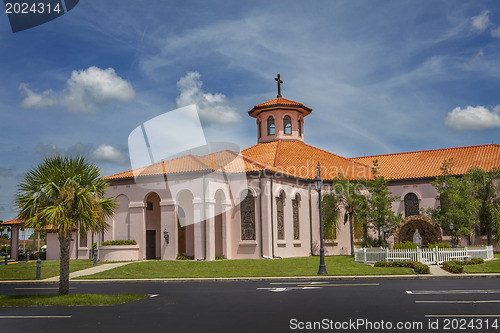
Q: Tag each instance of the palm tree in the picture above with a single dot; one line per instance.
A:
(345, 197)
(65, 194)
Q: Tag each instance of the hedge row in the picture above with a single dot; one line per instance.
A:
(458, 266)
(119, 242)
(418, 267)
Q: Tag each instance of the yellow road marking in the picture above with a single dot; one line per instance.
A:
(38, 288)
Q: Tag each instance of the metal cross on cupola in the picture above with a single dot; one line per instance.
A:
(279, 85)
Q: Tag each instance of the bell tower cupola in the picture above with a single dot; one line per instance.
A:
(280, 118)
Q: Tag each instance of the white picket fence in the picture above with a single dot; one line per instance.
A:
(434, 256)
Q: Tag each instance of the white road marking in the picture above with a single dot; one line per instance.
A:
(297, 283)
(463, 315)
(441, 292)
(154, 295)
(346, 284)
(33, 317)
(461, 302)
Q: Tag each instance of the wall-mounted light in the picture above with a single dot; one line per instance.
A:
(166, 236)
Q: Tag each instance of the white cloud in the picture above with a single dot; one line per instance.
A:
(481, 21)
(495, 32)
(212, 108)
(107, 153)
(473, 118)
(86, 90)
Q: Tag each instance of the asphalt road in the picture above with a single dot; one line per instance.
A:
(468, 305)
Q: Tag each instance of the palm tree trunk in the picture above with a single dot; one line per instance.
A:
(351, 232)
(64, 242)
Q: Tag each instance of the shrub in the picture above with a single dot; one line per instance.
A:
(439, 245)
(38, 255)
(405, 246)
(181, 256)
(420, 268)
(119, 242)
(417, 267)
(219, 257)
(381, 264)
(475, 261)
(453, 267)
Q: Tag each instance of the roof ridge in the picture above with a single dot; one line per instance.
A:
(427, 150)
(330, 153)
(277, 152)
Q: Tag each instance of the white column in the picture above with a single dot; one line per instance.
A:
(226, 229)
(210, 232)
(169, 222)
(199, 232)
(138, 226)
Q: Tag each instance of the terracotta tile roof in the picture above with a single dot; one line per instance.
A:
(299, 160)
(279, 102)
(12, 222)
(227, 161)
(427, 163)
(291, 158)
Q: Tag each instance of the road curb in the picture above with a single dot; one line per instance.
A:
(273, 279)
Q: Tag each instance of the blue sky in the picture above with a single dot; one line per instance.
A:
(380, 76)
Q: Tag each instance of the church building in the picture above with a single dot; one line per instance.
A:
(259, 202)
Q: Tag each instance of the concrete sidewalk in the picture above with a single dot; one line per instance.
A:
(90, 271)
(437, 270)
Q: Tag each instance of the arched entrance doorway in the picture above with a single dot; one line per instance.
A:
(429, 231)
(185, 227)
(153, 226)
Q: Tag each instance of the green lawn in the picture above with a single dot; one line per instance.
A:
(50, 268)
(492, 266)
(76, 299)
(307, 266)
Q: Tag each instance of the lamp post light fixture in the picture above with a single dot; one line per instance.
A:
(318, 183)
(166, 236)
(384, 229)
(452, 228)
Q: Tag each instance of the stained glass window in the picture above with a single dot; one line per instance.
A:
(279, 216)
(411, 204)
(248, 217)
(296, 225)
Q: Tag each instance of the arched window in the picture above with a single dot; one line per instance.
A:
(279, 215)
(299, 126)
(411, 204)
(260, 129)
(287, 125)
(270, 126)
(296, 223)
(247, 208)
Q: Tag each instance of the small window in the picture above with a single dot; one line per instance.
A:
(287, 125)
(411, 204)
(270, 126)
(260, 129)
(299, 126)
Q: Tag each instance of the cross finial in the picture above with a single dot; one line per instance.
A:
(279, 85)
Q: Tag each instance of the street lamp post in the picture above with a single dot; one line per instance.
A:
(384, 229)
(318, 183)
(452, 228)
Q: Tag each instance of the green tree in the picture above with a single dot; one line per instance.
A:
(487, 191)
(458, 202)
(65, 193)
(344, 196)
(378, 209)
